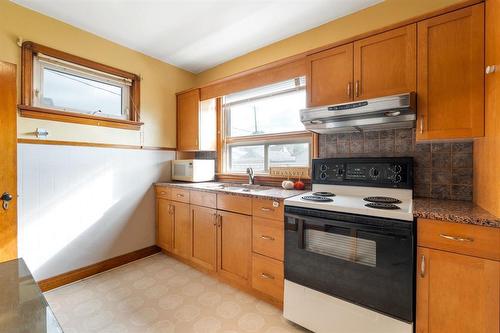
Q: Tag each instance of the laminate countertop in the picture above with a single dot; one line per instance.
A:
(257, 191)
(464, 212)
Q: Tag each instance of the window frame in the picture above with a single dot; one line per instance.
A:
(28, 108)
(225, 142)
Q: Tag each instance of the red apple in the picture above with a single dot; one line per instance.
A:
(299, 185)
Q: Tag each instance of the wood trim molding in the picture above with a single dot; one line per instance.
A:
(30, 49)
(77, 118)
(89, 144)
(102, 266)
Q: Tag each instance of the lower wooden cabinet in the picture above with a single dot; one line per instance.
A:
(234, 246)
(456, 293)
(182, 229)
(165, 224)
(204, 237)
(268, 276)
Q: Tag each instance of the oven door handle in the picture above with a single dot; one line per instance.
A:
(300, 232)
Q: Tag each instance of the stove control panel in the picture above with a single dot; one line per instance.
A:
(374, 171)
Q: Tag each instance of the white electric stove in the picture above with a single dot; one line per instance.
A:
(350, 248)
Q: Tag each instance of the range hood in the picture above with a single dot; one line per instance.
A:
(397, 111)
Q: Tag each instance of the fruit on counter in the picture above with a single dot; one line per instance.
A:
(287, 185)
(299, 185)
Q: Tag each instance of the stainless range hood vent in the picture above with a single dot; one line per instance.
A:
(397, 111)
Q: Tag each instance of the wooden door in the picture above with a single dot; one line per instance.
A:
(329, 76)
(165, 224)
(456, 293)
(450, 92)
(8, 160)
(187, 120)
(182, 229)
(234, 246)
(385, 64)
(204, 236)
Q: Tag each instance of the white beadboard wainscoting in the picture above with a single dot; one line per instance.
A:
(82, 205)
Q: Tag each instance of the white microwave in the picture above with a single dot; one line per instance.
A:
(193, 170)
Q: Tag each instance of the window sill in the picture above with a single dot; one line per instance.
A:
(77, 118)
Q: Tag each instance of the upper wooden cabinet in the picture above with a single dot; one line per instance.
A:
(380, 65)
(450, 92)
(385, 64)
(329, 76)
(196, 122)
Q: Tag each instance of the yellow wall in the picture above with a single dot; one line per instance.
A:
(160, 81)
(378, 16)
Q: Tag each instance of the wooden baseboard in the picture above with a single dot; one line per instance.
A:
(81, 273)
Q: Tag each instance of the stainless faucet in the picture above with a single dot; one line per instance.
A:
(251, 177)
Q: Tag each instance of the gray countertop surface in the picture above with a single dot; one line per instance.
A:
(23, 308)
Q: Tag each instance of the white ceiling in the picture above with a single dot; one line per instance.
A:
(195, 34)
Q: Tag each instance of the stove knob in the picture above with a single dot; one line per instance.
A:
(323, 176)
(397, 179)
(323, 167)
(374, 173)
(397, 168)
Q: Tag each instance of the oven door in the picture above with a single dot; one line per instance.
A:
(364, 260)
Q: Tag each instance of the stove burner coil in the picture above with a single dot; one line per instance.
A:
(386, 200)
(323, 194)
(380, 205)
(316, 198)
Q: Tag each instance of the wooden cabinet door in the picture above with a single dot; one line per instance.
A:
(188, 105)
(182, 229)
(329, 76)
(204, 236)
(450, 92)
(456, 293)
(165, 224)
(385, 64)
(234, 246)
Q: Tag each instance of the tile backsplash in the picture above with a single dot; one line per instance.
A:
(443, 170)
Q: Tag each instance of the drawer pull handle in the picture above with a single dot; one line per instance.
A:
(267, 237)
(457, 238)
(264, 209)
(266, 276)
(163, 193)
(180, 195)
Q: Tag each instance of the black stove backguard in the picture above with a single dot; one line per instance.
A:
(389, 172)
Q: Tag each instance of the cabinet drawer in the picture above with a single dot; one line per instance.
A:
(271, 209)
(267, 276)
(234, 203)
(163, 192)
(466, 239)
(267, 237)
(179, 194)
(205, 199)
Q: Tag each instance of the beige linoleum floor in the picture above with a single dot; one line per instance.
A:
(160, 294)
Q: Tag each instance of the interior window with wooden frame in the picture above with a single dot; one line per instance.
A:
(262, 129)
(63, 87)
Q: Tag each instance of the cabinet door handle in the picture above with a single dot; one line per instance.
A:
(422, 266)
(421, 124)
(266, 276)
(219, 224)
(356, 88)
(267, 237)
(349, 89)
(457, 238)
(265, 209)
(215, 219)
(491, 69)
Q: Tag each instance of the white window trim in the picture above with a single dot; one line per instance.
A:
(40, 62)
